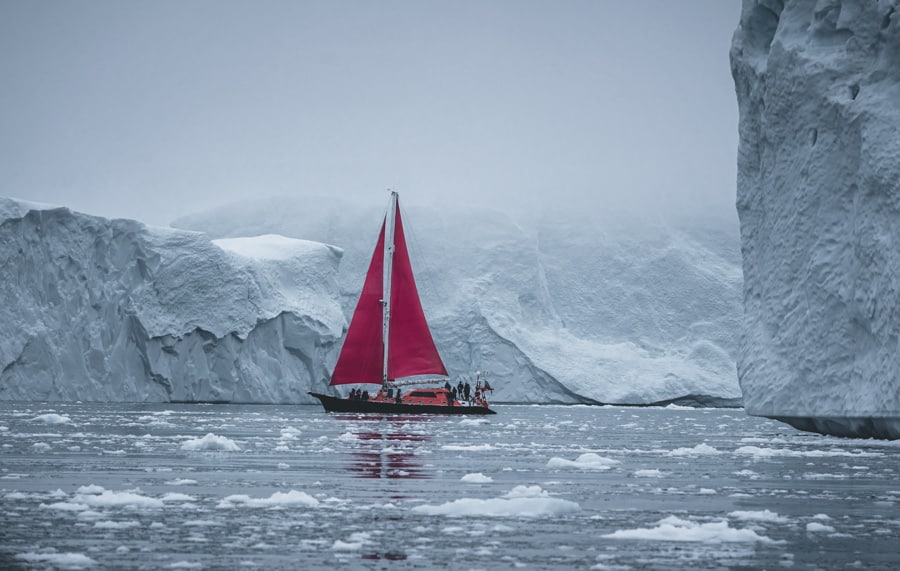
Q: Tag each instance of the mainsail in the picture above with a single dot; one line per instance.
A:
(411, 349)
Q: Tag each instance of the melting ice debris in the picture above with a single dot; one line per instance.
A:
(477, 478)
(211, 442)
(701, 449)
(59, 560)
(588, 461)
(521, 501)
(277, 499)
(52, 418)
(354, 542)
(650, 473)
(762, 515)
(674, 528)
(757, 452)
(816, 527)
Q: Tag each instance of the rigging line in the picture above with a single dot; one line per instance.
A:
(424, 279)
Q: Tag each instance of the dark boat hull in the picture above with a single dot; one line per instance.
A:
(335, 404)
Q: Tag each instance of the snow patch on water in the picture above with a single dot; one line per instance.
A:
(211, 442)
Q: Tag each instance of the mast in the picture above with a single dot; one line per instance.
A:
(387, 274)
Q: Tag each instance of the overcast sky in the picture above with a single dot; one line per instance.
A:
(152, 110)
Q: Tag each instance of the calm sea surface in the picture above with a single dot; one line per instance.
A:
(131, 486)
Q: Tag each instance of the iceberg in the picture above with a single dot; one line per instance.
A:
(818, 163)
(558, 307)
(113, 310)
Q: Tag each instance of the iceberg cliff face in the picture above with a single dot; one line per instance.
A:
(113, 310)
(819, 163)
(555, 307)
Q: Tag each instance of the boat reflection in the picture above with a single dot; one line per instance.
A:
(391, 452)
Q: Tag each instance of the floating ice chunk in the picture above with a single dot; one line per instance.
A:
(185, 565)
(107, 498)
(52, 418)
(177, 497)
(701, 449)
(65, 506)
(469, 447)
(764, 515)
(181, 482)
(348, 437)
(291, 498)
(652, 473)
(40, 446)
(676, 529)
(211, 442)
(816, 527)
(707, 492)
(823, 517)
(202, 523)
(477, 478)
(108, 524)
(521, 501)
(472, 421)
(61, 560)
(283, 466)
(758, 452)
(589, 461)
(355, 542)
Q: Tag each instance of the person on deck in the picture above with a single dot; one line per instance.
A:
(399, 400)
(365, 395)
(459, 389)
(467, 390)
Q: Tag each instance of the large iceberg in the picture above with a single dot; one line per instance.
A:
(819, 163)
(113, 310)
(566, 307)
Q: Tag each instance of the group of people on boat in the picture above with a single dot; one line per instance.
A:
(358, 394)
(463, 391)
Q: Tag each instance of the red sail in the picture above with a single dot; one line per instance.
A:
(361, 356)
(411, 350)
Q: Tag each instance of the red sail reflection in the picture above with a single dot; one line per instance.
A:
(390, 454)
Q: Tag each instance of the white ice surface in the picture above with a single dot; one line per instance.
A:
(521, 501)
(818, 165)
(211, 442)
(558, 307)
(113, 310)
(674, 528)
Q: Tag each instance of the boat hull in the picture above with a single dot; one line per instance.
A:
(335, 404)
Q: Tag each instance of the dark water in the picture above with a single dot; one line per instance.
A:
(110, 486)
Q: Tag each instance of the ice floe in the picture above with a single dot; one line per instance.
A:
(762, 515)
(701, 449)
(674, 528)
(477, 478)
(60, 560)
(521, 501)
(52, 418)
(757, 452)
(651, 473)
(588, 461)
(211, 442)
(291, 498)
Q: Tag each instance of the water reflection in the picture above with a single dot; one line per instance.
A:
(386, 447)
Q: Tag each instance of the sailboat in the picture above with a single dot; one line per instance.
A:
(389, 343)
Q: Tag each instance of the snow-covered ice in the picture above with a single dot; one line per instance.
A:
(673, 528)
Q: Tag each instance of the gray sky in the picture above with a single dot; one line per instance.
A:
(152, 110)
